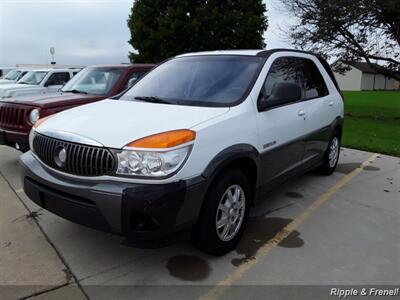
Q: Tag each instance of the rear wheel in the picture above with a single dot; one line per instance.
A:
(224, 214)
(331, 156)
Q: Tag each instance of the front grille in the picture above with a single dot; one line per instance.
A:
(11, 116)
(80, 159)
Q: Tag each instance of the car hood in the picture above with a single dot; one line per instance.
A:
(4, 88)
(17, 86)
(6, 81)
(54, 100)
(115, 123)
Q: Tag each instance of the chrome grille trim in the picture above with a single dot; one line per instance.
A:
(81, 160)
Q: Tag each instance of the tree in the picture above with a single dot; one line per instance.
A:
(164, 28)
(349, 30)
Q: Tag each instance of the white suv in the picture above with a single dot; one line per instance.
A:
(192, 145)
(40, 81)
(13, 76)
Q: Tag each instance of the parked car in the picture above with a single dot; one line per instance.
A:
(91, 84)
(13, 76)
(41, 81)
(192, 145)
(5, 70)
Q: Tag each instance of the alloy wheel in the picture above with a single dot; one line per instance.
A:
(230, 212)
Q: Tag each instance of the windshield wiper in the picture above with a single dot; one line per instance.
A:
(153, 99)
(75, 92)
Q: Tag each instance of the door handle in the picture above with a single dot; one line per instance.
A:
(301, 113)
(331, 103)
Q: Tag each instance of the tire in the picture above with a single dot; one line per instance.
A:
(331, 157)
(206, 236)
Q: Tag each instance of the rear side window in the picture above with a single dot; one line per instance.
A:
(283, 69)
(313, 83)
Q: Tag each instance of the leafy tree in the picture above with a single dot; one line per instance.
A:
(164, 28)
(350, 30)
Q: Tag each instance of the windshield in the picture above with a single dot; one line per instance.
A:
(33, 77)
(96, 81)
(22, 74)
(12, 75)
(215, 80)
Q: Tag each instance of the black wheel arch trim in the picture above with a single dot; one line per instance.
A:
(338, 122)
(229, 155)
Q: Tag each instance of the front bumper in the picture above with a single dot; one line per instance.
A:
(12, 138)
(142, 211)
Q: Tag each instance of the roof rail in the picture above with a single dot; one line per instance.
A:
(266, 53)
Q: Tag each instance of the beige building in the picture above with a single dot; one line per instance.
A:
(47, 66)
(362, 77)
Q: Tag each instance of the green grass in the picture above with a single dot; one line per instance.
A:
(372, 121)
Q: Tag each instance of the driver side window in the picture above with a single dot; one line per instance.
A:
(283, 70)
(58, 78)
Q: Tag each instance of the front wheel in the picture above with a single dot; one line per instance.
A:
(224, 214)
(331, 156)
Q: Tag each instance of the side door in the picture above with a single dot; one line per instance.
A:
(320, 109)
(281, 127)
(55, 81)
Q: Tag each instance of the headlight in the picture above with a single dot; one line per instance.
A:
(34, 116)
(158, 155)
(151, 163)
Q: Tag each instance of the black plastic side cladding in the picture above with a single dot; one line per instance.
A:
(231, 154)
(159, 205)
(338, 122)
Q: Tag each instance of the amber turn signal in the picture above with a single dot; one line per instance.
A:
(165, 140)
(40, 121)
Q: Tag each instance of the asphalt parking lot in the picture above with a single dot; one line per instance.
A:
(336, 230)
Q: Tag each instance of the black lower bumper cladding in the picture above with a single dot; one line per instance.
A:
(77, 210)
(152, 208)
(11, 139)
(146, 212)
(2, 137)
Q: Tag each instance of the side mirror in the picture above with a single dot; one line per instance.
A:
(282, 93)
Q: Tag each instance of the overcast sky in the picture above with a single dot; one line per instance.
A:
(82, 31)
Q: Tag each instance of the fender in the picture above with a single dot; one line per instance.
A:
(230, 154)
(338, 122)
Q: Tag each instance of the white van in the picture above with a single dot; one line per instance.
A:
(191, 146)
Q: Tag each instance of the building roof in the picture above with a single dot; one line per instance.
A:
(53, 69)
(123, 66)
(365, 67)
(48, 66)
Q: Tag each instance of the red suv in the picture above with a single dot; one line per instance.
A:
(18, 115)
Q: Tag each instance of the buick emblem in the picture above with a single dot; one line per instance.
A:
(60, 156)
